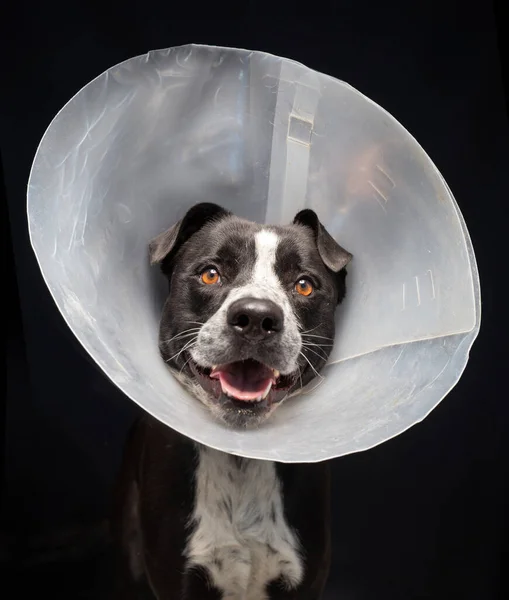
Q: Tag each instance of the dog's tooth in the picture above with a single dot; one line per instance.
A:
(276, 373)
(266, 392)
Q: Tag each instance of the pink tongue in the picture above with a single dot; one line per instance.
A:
(247, 380)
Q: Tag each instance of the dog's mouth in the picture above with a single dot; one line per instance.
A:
(245, 382)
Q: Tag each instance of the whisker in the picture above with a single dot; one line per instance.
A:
(309, 363)
(195, 322)
(310, 390)
(323, 337)
(316, 354)
(308, 330)
(313, 345)
(183, 366)
(285, 397)
(321, 356)
(187, 346)
(185, 333)
(318, 345)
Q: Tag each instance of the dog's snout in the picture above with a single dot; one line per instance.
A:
(255, 319)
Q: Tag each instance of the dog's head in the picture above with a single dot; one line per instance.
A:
(249, 319)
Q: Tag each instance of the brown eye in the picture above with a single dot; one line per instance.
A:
(304, 287)
(210, 276)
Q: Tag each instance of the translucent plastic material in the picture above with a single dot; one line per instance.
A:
(264, 137)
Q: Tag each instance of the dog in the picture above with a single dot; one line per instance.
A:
(248, 322)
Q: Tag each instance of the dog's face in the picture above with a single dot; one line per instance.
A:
(249, 319)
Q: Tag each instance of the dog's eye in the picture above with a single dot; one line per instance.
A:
(304, 287)
(210, 276)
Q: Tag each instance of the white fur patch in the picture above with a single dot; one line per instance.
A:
(240, 534)
(264, 272)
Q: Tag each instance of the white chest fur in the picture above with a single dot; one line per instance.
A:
(239, 530)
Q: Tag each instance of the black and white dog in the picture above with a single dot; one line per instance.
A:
(249, 321)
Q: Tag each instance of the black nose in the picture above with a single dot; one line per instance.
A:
(255, 319)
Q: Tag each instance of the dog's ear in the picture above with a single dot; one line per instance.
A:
(333, 255)
(163, 248)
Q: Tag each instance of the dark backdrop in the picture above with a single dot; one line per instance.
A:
(422, 516)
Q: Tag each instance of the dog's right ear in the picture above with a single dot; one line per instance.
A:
(164, 247)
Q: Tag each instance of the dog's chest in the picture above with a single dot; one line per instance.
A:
(239, 530)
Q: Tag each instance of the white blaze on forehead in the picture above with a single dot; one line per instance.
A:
(264, 272)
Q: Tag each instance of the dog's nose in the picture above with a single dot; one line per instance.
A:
(255, 319)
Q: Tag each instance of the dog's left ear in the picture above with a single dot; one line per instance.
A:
(333, 255)
(164, 247)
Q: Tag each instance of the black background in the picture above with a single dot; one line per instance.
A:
(422, 516)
